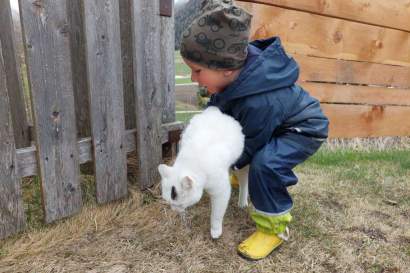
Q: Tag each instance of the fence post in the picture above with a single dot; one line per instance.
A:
(46, 33)
(148, 88)
(12, 218)
(102, 27)
(14, 83)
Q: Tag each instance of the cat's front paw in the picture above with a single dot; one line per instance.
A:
(216, 232)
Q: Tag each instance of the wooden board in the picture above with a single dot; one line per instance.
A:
(148, 88)
(367, 121)
(27, 161)
(167, 65)
(46, 33)
(315, 35)
(79, 67)
(12, 218)
(340, 71)
(356, 94)
(102, 27)
(127, 63)
(14, 83)
(392, 14)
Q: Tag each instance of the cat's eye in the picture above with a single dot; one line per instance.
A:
(173, 193)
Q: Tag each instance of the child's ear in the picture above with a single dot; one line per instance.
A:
(187, 183)
(164, 170)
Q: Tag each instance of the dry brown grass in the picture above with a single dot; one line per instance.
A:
(347, 218)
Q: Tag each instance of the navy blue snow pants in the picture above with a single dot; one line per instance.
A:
(270, 171)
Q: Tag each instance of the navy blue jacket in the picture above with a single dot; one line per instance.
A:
(266, 100)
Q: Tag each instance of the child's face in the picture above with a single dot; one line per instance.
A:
(214, 80)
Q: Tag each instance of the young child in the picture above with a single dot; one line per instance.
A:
(256, 84)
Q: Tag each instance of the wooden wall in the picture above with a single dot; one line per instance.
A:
(354, 57)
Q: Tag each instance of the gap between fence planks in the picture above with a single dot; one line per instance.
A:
(12, 217)
(391, 14)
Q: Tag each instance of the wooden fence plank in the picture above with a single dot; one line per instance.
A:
(148, 88)
(79, 67)
(127, 63)
(367, 121)
(12, 218)
(356, 94)
(168, 66)
(340, 71)
(14, 83)
(393, 14)
(46, 33)
(102, 24)
(338, 39)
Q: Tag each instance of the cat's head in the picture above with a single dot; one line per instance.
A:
(179, 189)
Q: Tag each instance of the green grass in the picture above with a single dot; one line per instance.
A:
(181, 69)
(326, 157)
(183, 80)
(184, 117)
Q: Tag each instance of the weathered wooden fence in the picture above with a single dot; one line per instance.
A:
(101, 77)
(354, 56)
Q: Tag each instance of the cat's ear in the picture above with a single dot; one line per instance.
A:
(187, 183)
(164, 170)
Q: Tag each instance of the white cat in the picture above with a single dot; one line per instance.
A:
(210, 144)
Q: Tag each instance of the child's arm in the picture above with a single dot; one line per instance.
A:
(258, 125)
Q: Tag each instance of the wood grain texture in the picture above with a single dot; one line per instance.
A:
(46, 33)
(392, 14)
(340, 71)
(357, 94)
(338, 39)
(168, 66)
(102, 25)
(14, 83)
(27, 161)
(367, 121)
(12, 218)
(148, 88)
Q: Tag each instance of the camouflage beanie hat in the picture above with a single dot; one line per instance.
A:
(218, 37)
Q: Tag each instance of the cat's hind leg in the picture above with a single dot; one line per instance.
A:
(242, 175)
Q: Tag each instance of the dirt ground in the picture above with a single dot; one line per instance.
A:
(352, 217)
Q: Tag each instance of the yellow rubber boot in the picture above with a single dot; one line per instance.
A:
(270, 233)
(259, 245)
(234, 181)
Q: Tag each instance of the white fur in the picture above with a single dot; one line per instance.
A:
(210, 144)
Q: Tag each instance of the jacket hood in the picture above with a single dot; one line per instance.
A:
(267, 68)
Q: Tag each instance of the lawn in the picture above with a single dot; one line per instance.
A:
(351, 214)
